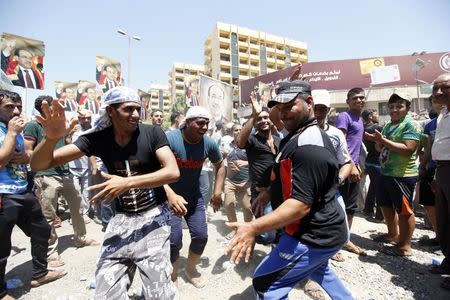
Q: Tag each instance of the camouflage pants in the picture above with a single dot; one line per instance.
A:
(136, 241)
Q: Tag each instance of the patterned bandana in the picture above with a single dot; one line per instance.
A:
(115, 95)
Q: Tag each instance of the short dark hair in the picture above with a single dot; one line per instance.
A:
(11, 95)
(4, 94)
(430, 99)
(39, 100)
(155, 110)
(354, 91)
(367, 113)
(174, 116)
(397, 99)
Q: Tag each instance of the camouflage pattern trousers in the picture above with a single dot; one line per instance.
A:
(139, 241)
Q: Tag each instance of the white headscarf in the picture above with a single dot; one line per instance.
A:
(196, 112)
(119, 94)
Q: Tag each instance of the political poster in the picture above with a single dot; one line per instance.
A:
(217, 97)
(22, 60)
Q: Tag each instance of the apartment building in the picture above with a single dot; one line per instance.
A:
(234, 53)
(159, 97)
(180, 77)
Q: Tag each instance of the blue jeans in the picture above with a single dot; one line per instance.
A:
(198, 229)
(268, 237)
(290, 262)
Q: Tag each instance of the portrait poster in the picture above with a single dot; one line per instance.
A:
(88, 97)
(146, 99)
(107, 73)
(217, 97)
(192, 91)
(67, 91)
(22, 60)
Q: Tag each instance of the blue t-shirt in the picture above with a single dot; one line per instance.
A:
(13, 177)
(430, 129)
(190, 158)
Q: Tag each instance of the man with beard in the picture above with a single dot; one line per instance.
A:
(303, 191)
(261, 147)
(19, 206)
(441, 154)
(139, 162)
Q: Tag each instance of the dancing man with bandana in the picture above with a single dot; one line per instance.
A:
(139, 162)
(191, 147)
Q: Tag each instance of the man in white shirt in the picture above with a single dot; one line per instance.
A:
(441, 154)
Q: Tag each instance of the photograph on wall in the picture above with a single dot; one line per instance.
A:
(107, 73)
(217, 97)
(88, 97)
(67, 91)
(22, 60)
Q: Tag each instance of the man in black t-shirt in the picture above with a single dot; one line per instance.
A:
(261, 147)
(372, 165)
(139, 163)
(303, 189)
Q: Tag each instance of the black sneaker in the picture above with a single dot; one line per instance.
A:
(429, 242)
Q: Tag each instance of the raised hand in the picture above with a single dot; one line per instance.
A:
(54, 120)
(256, 106)
(16, 125)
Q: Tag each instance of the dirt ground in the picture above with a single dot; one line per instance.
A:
(375, 276)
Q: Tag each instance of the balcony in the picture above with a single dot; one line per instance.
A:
(225, 63)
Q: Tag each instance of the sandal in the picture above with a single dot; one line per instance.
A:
(55, 262)
(313, 290)
(394, 251)
(49, 277)
(339, 257)
(350, 247)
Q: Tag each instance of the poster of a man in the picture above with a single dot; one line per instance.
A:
(87, 97)
(107, 73)
(217, 97)
(22, 60)
(67, 91)
(191, 84)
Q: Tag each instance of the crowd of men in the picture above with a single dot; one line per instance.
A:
(296, 174)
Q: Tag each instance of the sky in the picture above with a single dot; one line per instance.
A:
(74, 32)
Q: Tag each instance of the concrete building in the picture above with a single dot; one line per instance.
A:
(180, 77)
(234, 53)
(159, 97)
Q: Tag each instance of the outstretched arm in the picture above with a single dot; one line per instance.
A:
(55, 127)
(115, 185)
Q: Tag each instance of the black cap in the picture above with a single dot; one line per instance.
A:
(288, 90)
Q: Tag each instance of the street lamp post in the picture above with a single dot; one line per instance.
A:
(134, 37)
(419, 64)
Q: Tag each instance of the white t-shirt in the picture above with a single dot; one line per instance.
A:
(339, 143)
